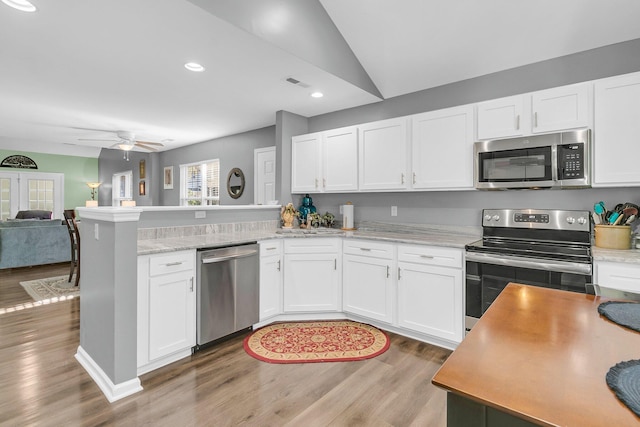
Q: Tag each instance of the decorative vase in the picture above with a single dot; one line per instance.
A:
(306, 208)
(288, 213)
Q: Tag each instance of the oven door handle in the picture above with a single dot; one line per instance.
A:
(511, 261)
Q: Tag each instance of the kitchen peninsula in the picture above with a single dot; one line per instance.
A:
(538, 357)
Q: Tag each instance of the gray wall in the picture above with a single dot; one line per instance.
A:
(464, 207)
(287, 125)
(233, 151)
(112, 161)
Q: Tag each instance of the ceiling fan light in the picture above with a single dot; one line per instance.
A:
(22, 5)
(193, 66)
(125, 146)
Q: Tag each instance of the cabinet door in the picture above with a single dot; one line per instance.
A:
(305, 163)
(340, 160)
(383, 155)
(172, 313)
(617, 128)
(442, 149)
(311, 282)
(367, 287)
(270, 286)
(625, 277)
(501, 118)
(560, 108)
(430, 300)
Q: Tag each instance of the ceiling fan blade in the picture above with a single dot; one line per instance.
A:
(150, 143)
(137, 144)
(96, 139)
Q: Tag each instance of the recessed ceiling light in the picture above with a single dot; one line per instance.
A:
(317, 94)
(22, 5)
(191, 66)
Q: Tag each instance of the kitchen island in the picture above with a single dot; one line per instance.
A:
(538, 357)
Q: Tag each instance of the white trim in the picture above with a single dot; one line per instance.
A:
(110, 390)
(110, 214)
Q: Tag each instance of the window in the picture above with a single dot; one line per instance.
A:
(200, 183)
(122, 187)
(20, 191)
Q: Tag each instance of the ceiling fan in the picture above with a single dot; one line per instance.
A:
(126, 141)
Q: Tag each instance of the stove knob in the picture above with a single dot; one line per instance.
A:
(582, 220)
(571, 220)
(487, 217)
(496, 217)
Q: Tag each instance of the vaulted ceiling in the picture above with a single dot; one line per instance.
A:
(83, 69)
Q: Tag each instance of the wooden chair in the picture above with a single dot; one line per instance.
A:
(74, 237)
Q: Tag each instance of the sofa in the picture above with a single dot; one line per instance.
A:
(27, 242)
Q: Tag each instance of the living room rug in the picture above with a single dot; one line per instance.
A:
(318, 341)
(51, 289)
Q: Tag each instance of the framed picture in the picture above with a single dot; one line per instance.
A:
(168, 177)
(143, 171)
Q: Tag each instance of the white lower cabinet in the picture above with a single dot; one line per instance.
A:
(271, 274)
(616, 275)
(166, 308)
(367, 279)
(430, 295)
(312, 275)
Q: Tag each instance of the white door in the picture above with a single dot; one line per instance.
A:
(430, 300)
(501, 118)
(560, 108)
(383, 155)
(9, 199)
(617, 126)
(367, 287)
(305, 163)
(264, 172)
(442, 149)
(340, 160)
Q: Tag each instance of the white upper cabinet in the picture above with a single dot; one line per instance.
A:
(501, 118)
(383, 155)
(566, 107)
(552, 110)
(305, 163)
(442, 149)
(325, 161)
(340, 160)
(616, 131)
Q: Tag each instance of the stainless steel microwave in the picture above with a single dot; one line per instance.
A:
(555, 160)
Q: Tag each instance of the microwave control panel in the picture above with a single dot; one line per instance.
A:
(571, 161)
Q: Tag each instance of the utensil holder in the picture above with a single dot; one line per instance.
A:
(613, 236)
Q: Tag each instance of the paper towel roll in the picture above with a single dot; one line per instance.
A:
(347, 216)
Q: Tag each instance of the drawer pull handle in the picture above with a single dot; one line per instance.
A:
(388, 271)
(173, 264)
(271, 249)
(192, 284)
(399, 276)
(279, 266)
(365, 249)
(427, 256)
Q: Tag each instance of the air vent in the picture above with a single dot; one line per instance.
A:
(296, 82)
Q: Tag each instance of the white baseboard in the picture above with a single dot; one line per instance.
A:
(110, 390)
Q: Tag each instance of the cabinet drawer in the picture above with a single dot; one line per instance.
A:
(171, 263)
(625, 277)
(367, 248)
(443, 257)
(312, 245)
(270, 247)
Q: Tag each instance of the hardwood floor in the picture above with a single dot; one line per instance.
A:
(42, 383)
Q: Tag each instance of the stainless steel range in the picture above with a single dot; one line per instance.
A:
(548, 248)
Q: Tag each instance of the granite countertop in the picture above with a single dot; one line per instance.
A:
(454, 237)
(630, 256)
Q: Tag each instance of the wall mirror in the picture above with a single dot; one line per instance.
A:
(235, 183)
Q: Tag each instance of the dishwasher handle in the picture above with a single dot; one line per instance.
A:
(226, 257)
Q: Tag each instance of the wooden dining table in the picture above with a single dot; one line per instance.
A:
(538, 357)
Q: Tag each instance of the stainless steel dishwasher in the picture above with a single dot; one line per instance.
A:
(227, 291)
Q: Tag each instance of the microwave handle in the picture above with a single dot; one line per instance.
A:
(554, 163)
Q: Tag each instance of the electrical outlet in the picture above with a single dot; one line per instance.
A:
(201, 214)
(96, 231)
(394, 211)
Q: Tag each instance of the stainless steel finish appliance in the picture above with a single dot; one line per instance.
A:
(548, 248)
(227, 291)
(555, 160)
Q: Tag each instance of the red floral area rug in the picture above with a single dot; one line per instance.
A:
(324, 341)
